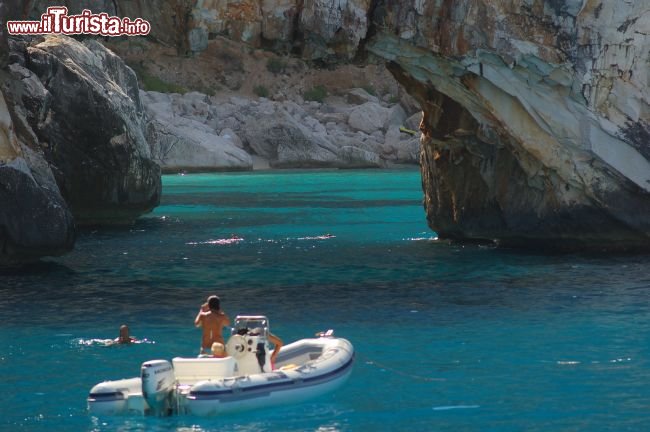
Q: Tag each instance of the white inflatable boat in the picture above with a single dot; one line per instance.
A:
(243, 380)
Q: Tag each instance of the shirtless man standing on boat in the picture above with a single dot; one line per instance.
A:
(213, 320)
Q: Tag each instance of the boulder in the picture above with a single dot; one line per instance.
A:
(184, 145)
(285, 142)
(395, 118)
(89, 122)
(359, 96)
(181, 140)
(38, 223)
(355, 157)
(408, 150)
(413, 122)
(368, 117)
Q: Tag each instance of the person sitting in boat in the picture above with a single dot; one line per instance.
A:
(212, 319)
(277, 344)
(273, 339)
(124, 337)
(218, 350)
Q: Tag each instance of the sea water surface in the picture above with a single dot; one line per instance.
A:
(448, 337)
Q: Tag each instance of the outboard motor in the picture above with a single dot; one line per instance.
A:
(157, 386)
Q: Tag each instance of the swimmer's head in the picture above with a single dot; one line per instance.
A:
(214, 303)
(124, 334)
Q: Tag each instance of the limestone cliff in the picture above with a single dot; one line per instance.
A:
(34, 219)
(71, 144)
(535, 117)
(83, 104)
(315, 29)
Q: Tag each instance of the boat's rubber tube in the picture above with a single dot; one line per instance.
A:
(328, 365)
(111, 397)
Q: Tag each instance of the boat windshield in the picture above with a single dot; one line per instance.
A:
(253, 325)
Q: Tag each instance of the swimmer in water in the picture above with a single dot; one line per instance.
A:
(124, 337)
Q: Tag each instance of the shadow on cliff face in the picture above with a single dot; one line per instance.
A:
(638, 134)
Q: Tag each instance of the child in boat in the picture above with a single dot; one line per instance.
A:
(218, 350)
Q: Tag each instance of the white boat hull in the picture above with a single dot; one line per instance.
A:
(117, 397)
(206, 387)
(313, 378)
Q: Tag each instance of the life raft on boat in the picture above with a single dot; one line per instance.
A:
(244, 380)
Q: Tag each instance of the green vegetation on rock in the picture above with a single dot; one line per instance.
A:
(261, 91)
(318, 94)
(150, 82)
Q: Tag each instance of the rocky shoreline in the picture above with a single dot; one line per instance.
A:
(84, 145)
(196, 132)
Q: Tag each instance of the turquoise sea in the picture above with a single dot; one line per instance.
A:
(448, 337)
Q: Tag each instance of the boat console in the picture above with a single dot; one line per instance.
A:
(248, 344)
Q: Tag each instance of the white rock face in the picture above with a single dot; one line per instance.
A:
(9, 148)
(194, 132)
(368, 117)
(181, 141)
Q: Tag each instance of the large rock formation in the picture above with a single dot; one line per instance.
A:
(536, 112)
(71, 144)
(34, 219)
(316, 29)
(83, 105)
(536, 117)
